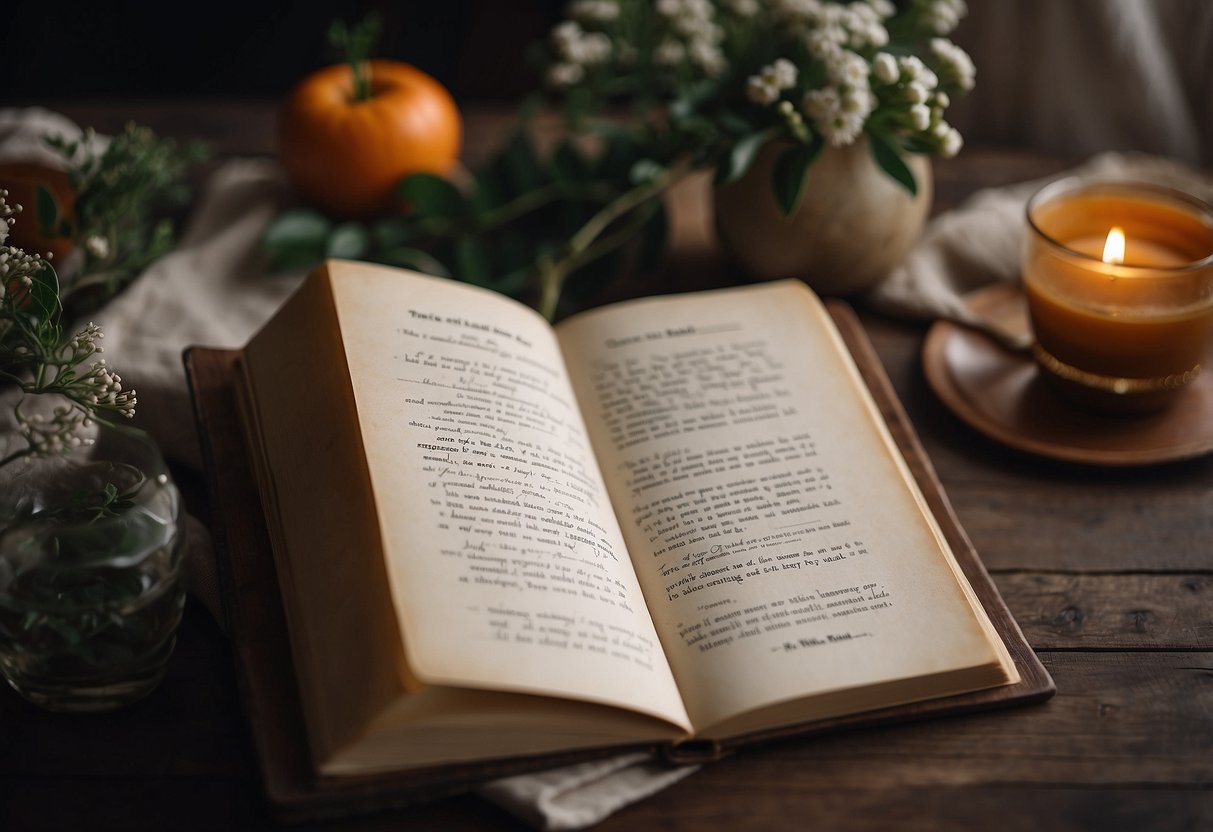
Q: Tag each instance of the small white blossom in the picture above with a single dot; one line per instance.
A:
(783, 73)
(884, 67)
(595, 11)
(669, 53)
(564, 75)
(952, 142)
(916, 93)
(55, 435)
(97, 246)
(105, 390)
(84, 343)
(920, 117)
(955, 63)
(669, 8)
(847, 68)
(884, 8)
(709, 57)
(744, 8)
(760, 92)
(942, 16)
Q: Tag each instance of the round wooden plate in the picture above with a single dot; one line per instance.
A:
(1000, 393)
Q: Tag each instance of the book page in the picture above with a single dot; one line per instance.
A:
(782, 544)
(507, 566)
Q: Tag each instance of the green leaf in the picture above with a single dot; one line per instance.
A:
(432, 196)
(296, 227)
(514, 282)
(644, 171)
(349, 241)
(414, 258)
(741, 156)
(617, 159)
(568, 165)
(787, 177)
(296, 240)
(886, 155)
(392, 232)
(472, 264)
(46, 208)
(653, 236)
(521, 165)
(44, 295)
(488, 192)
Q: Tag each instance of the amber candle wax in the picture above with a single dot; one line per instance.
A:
(1119, 279)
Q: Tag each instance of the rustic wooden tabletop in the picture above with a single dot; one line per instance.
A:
(1108, 571)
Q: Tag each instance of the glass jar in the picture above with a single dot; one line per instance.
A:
(91, 573)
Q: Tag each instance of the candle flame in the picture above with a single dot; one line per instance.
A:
(1114, 247)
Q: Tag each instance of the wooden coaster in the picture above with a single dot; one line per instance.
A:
(1003, 395)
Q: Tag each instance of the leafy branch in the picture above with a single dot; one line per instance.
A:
(119, 219)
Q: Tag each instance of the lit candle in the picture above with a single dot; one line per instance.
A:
(1119, 279)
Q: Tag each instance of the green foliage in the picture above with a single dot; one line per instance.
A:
(124, 196)
(511, 224)
(884, 151)
(788, 174)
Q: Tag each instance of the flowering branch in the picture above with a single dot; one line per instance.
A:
(39, 360)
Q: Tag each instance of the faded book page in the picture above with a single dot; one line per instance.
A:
(507, 566)
(780, 540)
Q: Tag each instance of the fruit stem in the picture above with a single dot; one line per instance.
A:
(355, 45)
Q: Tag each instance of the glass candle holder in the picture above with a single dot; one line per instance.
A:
(91, 583)
(1119, 281)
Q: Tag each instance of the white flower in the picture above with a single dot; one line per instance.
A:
(884, 67)
(669, 53)
(55, 435)
(916, 93)
(920, 117)
(955, 63)
(565, 34)
(765, 87)
(105, 390)
(859, 102)
(884, 8)
(744, 8)
(84, 343)
(564, 75)
(669, 8)
(783, 73)
(595, 11)
(97, 246)
(760, 92)
(709, 57)
(944, 15)
(847, 68)
(952, 142)
(594, 48)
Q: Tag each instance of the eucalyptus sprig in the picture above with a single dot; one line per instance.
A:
(121, 216)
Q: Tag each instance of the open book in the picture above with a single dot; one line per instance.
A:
(671, 519)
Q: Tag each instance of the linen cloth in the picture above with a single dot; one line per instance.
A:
(214, 290)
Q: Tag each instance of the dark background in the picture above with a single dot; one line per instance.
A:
(126, 49)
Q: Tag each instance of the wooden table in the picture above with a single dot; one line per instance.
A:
(1109, 573)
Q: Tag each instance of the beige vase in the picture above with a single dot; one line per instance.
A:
(853, 225)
